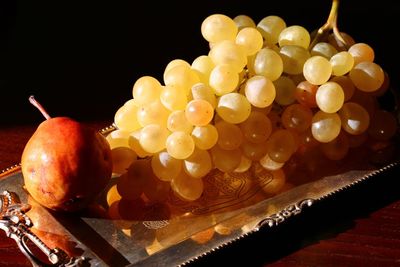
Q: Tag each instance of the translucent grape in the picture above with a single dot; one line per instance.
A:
(153, 137)
(325, 126)
(257, 128)
(333, 40)
(118, 138)
(297, 117)
(270, 28)
(281, 145)
(112, 195)
(337, 148)
(268, 63)
(270, 164)
(361, 52)
(260, 91)
(346, 84)
(186, 187)
(199, 164)
(199, 112)
(244, 165)
(293, 58)
(224, 79)
(202, 91)
(156, 191)
(217, 27)
(357, 140)
(341, 63)
(285, 91)
(277, 183)
(323, 49)
(146, 90)
(251, 40)
(180, 145)
(226, 160)
(154, 113)
(253, 151)
(317, 70)
(330, 97)
(366, 100)
(233, 108)
(165, 167)
(125, 118)
(203, 65)
(367, 76)
(305, 94)
(205, 137)
(174, 63)
(229, 53)
(130, 185)
(177, 121)
(355, 119)
(122, 157)
(384, 87)
(294, 35)
(229, 135)
(181, 76)
(135, 145)
(383, 125)
(243, 21)
(173, 98)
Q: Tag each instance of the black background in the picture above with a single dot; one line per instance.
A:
(80, 59)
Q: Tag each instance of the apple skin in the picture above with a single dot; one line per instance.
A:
(66, 164)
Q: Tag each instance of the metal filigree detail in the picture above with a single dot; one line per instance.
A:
(15, 223)
(286, 213)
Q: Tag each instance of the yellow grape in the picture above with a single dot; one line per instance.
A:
(187, 187)
(305, 94)
(367, 76)
(122, 157)
(361, 52)
(341, 63)
(125, 118)
(174, 63)
(268, 63)
(218, 27)
(226, 160)
(135, 145)
(277, 183)
(165, 167)
(355, 119)
(330, 97)
(285, 91)
(270, 164)
(297, 117)
(177, 121)
(173, 98)
(181, 76)
(333, 40)
(203, 91)
(281, 145)
(180, 145)
(153, 137)
(244, 165)
(205, 137)
(224, 79)
(203, 65)
(257, 128)
(251, 40)
(323, 49)
(229, 135)
(270, 28)
(156, 191)
(118, 138)
(112, 195)
(293, 58)
(233, 108)
(253, 151)
(260, 91)
(243, 21)
(317, 70)
(346, 84)
(199, 164)
(294, 35)
(154, 113)
(229, 53)
(130, 185)
(199, 112)
(146, 90)
(337, 148)
(325, 126)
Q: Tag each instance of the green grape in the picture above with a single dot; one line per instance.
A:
(177, 121)
(229, 53)
(330, 97)
(317, 70)
(305, 94)
(367, 76)
(341, 63)
(281, 145)
(339, 45)
(146, 90)
(203, 65)
(181, 76)
(294, 35)
(383, 125)
(216, 28)
(180, 145)
(346, 84)
(198, 164)
(226, 160)
(268, 63)
(154, 113)
(118, 138)
(270, 164)
(186, 187)
(257, 128)
(297, 117)
(336, 149)
(355, 119)
(244, 165)
(233, 108)
(174, 63)
(125, 118)
(325, 126)
(165, 167)
(253, 151)
(205, 137)
(285, 91)
(323, 49)
(243, 21)
(260, 91)
(122, 157)
(270, 28)
(135, 145)
(251, 40)
(153, 137)
(229, 135)
(224, 79)
(199, 112)
(202, 91)
(361, 52)
(173, 98)
(293, 58)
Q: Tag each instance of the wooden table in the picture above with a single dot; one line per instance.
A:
(358, 227)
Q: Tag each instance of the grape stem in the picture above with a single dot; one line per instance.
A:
(36, 104)
(330, 24)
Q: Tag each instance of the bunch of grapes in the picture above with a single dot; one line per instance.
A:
(260, 95)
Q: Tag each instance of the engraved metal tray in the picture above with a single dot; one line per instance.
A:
(232, 207)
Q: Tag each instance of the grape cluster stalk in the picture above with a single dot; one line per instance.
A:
(264, 94)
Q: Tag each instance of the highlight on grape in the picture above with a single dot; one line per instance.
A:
(259, 96)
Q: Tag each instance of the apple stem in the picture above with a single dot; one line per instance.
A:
(35, 103)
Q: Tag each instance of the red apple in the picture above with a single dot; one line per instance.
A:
(65, 164)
